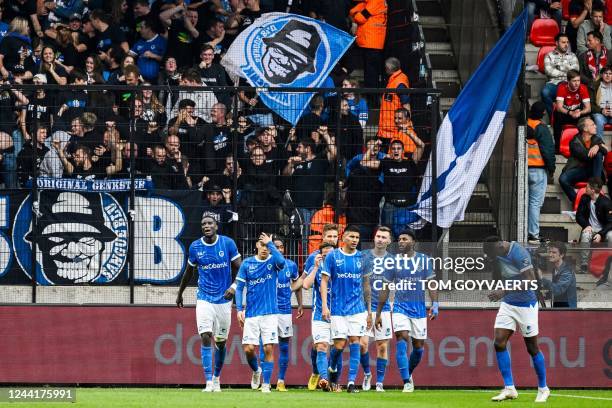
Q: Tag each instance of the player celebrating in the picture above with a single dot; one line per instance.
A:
(373, 262)
(288, 281)
(351, 312)
(320, 328)
(330, 236)
(212, 254)
(518, 307)
(409, 310)
(259, 274)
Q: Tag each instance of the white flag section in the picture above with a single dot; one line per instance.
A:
(286, 50)
(470, 131)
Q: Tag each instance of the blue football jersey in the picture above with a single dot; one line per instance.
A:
(214, 264)
(316, 287)
(512, 266)
(260, 278)
(376, 275)
(411, 301)
(346, 275)
(149, 67)
(283, 288)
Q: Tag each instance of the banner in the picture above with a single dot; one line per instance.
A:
(160, 345)
(286, 50)
(83, 237)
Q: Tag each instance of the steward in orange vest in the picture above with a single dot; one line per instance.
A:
(391, 101)
(540, 145)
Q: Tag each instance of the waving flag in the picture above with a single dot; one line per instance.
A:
(286, 50)
(471, 128)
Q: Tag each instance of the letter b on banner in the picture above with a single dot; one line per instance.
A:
(159, 256)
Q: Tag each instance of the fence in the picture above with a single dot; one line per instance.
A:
(112, 196)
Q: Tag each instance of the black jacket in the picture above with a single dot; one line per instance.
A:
(603, 211)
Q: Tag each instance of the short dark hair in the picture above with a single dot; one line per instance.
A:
(307, 142)
(397, 141)
(597, 7)
(76, 74)
(206, 47)
(595, 183)
(326, 245)
(560, 246)
(184, 103)
(596, 34)
(405, 112)
(489, 244)
(572, 73)
(352, 228)
(560, 35)
(385, 229)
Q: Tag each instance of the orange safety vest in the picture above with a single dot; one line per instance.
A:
(324, 216)
(534, 156)
(409, 145)
(372, 30)
(390, 102)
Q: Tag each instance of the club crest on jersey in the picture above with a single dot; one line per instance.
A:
(221, 253)
(358, 264)
(82, 238)
(270, 266)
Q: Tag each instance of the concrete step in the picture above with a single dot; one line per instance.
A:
(445, 104)
(445, 75)
(448, 89)
(432, 21)
(531, 54)
(442, 61)
(465, 232)
(438, 48)
(435, 34)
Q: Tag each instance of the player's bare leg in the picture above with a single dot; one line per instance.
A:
(504, 364)
(539, 366)
(207, 363)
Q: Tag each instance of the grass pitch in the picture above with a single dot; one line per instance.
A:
(301, 398)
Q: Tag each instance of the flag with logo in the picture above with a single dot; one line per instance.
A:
(470, 130)
(286, 50)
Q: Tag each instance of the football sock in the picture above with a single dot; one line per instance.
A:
(321, 364)
(206, 354)
(415, 359)
(355, 351)
(505, 367)
(283, 358)
(365, 362)
(219, 358)
(540, 368)
(402, 359)
(381, 367)
(314, 358)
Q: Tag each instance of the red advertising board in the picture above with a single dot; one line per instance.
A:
(159, 345)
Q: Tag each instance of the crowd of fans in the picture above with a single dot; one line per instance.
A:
(194, 138)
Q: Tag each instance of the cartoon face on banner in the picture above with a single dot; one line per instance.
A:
(288, 51)
(82, 238)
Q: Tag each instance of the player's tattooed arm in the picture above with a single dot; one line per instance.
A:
(367, 297)
(298, 297)
(184, 282)
(323, 291)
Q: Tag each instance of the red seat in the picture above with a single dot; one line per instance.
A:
(565, 9)
(608, 164)
(607, 127)
(579, 195)
(608, 16)
(566, 138)
(543, 32)
(580, 184)
(541, 54)
(598, 262)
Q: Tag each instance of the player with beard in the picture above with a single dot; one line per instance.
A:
(216, 258)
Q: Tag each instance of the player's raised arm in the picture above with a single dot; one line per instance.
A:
(184, 282)
(277, 257)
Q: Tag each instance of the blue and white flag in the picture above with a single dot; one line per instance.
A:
(286, 50)
(471, 128)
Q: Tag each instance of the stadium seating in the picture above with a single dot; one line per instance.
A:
(543, 32)
(542, 52)
(565, 9)
(608, 163)
(566, 138)
(608, 12)
(599, 261)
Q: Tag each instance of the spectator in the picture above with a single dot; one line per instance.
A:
(107, 35)
(188, 127)
(594, 215)
(149, 50)
(324, 143)
(357, 105)
(165, 173)
(26, 10)
(142, 11)
(219, 141)
(573, 102)
(122, 18)
(72, 102)
(214, 35)
(203, 99)
(259, 196)
(308, 173)
(183, 35)
(93, 70)
(240, 21)
(595, 24)
(10, 99)
(51, 165)
(152, 108)
(562, 286)
(602, 100)
(30, 157)
(84, 133)
(255, 110)
(547, 8)
(392, 101)
(213, 74)
(593, 60)
(587, 153)
(351, 132)
(56, 74)
(16, 50)
(178, 161)
(541, 163)
(364, 188)
(370, 18)
(169, 77)
(226, 178)
(400, 183)
(579, 10)
(216, 206)
(83, 167)
(139, 163)
(413, 145)
(557, 64)
(312, 120)
(68, 54)
(275, 155)
(38, 109)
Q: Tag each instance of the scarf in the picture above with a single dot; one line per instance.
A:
(595, 65)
